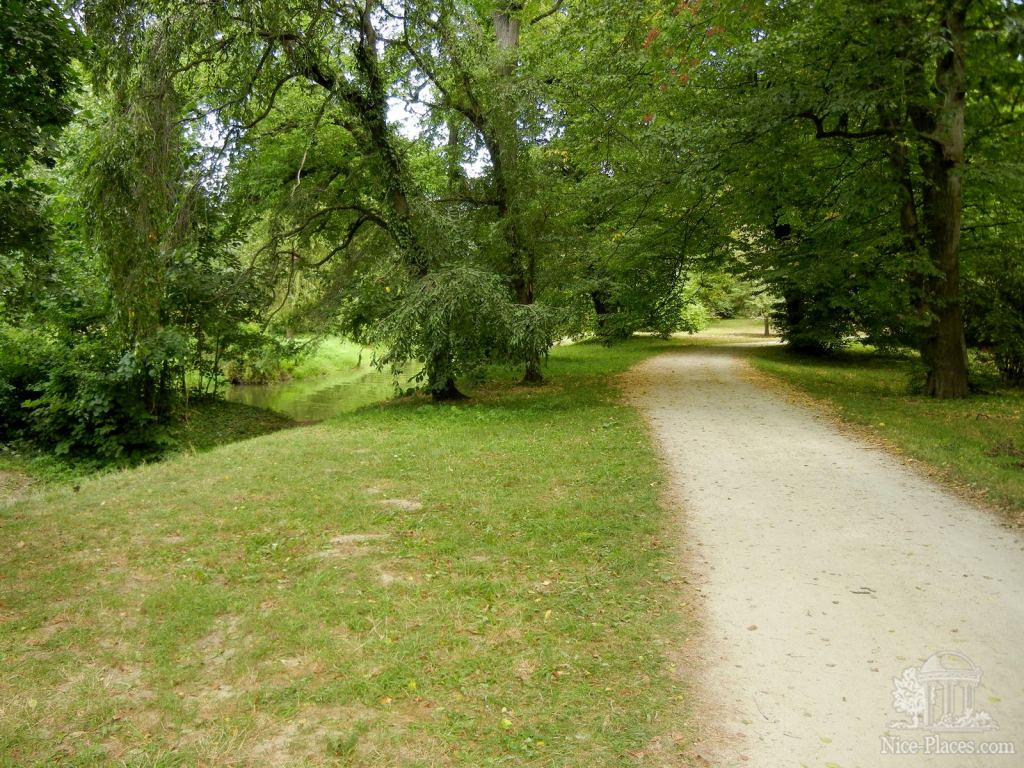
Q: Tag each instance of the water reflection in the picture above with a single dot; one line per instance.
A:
(319, 398)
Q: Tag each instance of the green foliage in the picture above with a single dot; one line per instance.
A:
(112, 327)
(837, 123)
(694, 317)
(214, 303)
(827, 300)
(626, 310)
(530, 330)
(39, 43)
(727, 295)
(255, 357)
(994, 293)
(78, 400)
(237, 173)
(455, 320)
(89, 405)
(994, 242)
(25, 359)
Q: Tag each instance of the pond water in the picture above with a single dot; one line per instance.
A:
(317, 398)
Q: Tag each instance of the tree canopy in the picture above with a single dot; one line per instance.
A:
(462, 183)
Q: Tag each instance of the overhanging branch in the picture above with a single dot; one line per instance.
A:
(820, 132)
(555, 9)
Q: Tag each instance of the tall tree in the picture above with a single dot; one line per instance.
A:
(38, 43)
(343, 56)
(471, 56)
(897, 77)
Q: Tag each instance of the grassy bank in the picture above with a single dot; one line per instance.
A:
(408, 585)
(207, 424)
(204, 425)
(332, 356)
(977, 443)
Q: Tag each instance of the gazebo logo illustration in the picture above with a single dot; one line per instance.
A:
(940, 696)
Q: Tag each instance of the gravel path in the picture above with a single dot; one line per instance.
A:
(825, 569)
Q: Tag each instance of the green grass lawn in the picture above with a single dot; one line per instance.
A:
(332, 356)
(408, 585)
(977, 443)
(750, 329)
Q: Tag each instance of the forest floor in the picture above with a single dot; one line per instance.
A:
(826, 567)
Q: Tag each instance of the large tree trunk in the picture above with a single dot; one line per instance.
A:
(943, 349)
(506, 32)
(447, 393)
(503, 141)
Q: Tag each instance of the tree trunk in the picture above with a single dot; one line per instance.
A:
(943, 349)
(506, 31)
(497, 123)
(942, 346)
(447, 392)
(453, 159)
(601, 309)
(402, 225)
(533, 375)
(503, 142)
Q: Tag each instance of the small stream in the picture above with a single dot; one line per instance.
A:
(318, 398)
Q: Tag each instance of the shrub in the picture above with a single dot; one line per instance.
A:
(93, 403)
(79, 399)
(25, 360)
(455, 320)
(994, 313)
(255, 357)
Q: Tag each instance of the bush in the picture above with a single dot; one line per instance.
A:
(680, 309)
(455, 320)
(25, 361)
(531, 331)
(92, 403)
(695, 316)
(812, 324)
(994, 312)
(77, 400)
(255, 357)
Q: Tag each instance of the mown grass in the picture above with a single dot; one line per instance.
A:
(977, 443)
(332, 356)
(408, 585)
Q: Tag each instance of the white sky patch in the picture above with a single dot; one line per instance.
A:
(408, 117)
(478, 167)
(409, 120)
